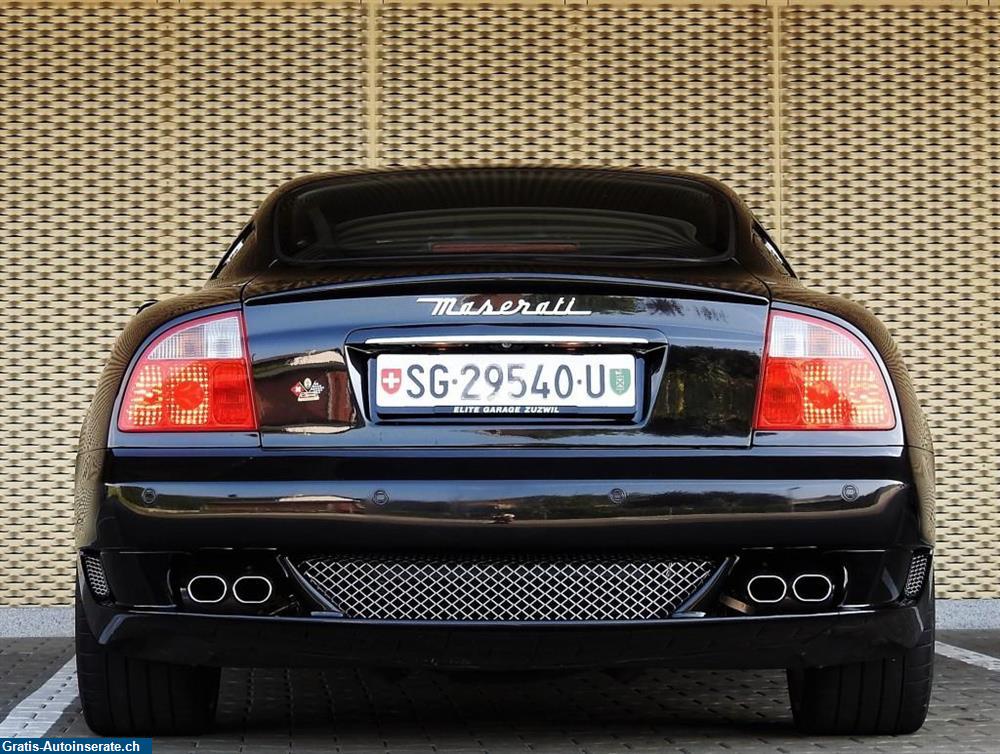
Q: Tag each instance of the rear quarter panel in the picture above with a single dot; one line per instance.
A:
(97, 422)
(916, 435)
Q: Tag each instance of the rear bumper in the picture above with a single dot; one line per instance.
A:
(155, 518)
(694, 500)
(736, 642)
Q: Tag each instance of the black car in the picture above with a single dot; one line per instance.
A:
(517, 419)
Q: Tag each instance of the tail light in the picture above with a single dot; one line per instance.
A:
(193, 378)
(819, 376)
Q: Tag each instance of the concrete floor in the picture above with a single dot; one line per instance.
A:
(270, 711)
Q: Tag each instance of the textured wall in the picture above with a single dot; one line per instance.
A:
(136, 137)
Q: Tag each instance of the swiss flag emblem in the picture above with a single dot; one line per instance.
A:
(391, 379)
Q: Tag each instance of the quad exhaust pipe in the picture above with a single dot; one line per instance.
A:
(207, 589)
(210, 589)
(812, 587)
(252, 590)
(771, 588)
(767, 588)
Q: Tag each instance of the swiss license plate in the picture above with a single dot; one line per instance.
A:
(510, 384)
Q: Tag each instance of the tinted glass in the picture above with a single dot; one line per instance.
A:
(546, 212)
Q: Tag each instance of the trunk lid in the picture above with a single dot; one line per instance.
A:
(696, 335)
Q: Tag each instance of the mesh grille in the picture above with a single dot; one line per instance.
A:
(94, 572)
(918, 573)
(505, 588)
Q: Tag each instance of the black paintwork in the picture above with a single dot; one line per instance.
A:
(708, 352)
(746, 642)
(696, 477)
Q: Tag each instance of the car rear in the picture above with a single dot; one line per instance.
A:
(402, 445)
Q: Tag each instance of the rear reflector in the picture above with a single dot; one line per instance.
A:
(819, 376)
(193, 378)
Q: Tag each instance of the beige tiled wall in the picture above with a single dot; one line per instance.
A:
(136, 137)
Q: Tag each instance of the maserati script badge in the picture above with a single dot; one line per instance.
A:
(448, 306)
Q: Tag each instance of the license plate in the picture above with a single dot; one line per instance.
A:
(514, 385)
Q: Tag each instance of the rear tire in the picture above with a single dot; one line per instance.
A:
(123, 696)
(884, 697)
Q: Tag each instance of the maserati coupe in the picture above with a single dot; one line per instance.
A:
(505, 419)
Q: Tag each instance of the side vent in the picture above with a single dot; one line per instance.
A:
(93, 571)
(917, 575)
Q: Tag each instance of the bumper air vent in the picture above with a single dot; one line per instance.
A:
(917, 575)
(94, 573)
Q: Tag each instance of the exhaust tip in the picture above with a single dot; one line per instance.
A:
(767, 588)
(207, 589)
(812, 587)
(252, 590)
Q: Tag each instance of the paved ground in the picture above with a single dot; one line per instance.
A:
(272, 711)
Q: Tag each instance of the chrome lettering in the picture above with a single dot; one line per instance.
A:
(448, 306)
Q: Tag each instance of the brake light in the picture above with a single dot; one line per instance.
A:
(193, 378)
(503, 247)
(819, 376)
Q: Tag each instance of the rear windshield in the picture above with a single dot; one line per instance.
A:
(535, 212)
